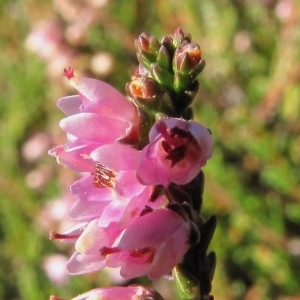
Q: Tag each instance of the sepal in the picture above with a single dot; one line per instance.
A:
(188, 286)
(161, 76)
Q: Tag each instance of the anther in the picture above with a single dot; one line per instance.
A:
(103, 177)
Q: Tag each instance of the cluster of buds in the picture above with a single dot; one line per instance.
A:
(167, 73)
(139, 200)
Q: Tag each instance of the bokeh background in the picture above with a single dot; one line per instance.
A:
(249, 97)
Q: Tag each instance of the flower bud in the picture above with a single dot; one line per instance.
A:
(163, 58)
(146, 43)
(178, 37)
(147, 47)
(187, 58)
(167, 41)
(145, 91)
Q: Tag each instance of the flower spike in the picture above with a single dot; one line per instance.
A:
(140, 159)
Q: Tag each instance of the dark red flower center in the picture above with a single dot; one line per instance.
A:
(176, 144)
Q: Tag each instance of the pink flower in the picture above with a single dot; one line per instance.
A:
(116, 293)
(111, 192)
(87, 257)
(108, 199)
(99, 115)
(151, 245)
(176, 152)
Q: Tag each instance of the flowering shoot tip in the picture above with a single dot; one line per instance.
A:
(69, 72)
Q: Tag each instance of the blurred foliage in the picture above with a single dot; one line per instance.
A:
(249, 97)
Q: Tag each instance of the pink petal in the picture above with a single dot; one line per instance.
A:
(75, 157)
(148, 231)
(69, 105)
(127, 184)
(113, 212)
(94, 237)
(86, 210)
(81, 263)
(92, 127)
(84, 189)
(135, 206)
(98, 91)
(117, 156)
(134, 270)
(164, 261)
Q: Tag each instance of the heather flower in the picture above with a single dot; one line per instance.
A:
(124, 293)
(97, 116)
(101, 101)
(151, 245)
(111, 192)
(87, 257)
(88, 238)
(176, 152)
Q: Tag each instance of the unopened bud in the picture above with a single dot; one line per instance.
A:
(163, 58)
(143, 88)
(187, 58)
(147, 44)
(179, 37)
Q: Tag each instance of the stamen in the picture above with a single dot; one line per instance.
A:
(106, 250)
(69, 73)
(103, 177)
(53, 235)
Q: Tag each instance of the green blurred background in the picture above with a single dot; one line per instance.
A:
(249, 97)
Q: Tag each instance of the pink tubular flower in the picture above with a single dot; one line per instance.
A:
(111, 192)
(87, 257)
(151, 245)
(176, 152)
(108, 199)
(117, 293)
(98, 115)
